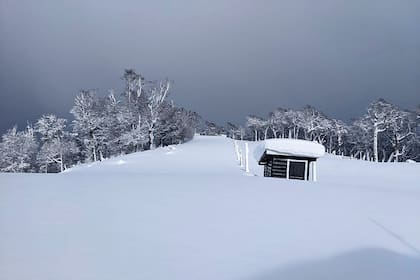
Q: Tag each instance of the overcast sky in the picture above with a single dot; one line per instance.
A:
(228, 58)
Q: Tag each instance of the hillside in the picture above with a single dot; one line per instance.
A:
(190, 212)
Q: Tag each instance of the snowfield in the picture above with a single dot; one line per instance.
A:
(190, 212)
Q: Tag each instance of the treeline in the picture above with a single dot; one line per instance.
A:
(140, 118)
(384, 133)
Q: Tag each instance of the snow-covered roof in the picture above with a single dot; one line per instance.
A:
(290, 147)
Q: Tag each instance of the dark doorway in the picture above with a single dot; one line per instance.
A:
(297, 170)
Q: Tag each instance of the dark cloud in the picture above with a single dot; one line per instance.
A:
(228, 58)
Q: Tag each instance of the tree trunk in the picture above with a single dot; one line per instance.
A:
(330, 145)
(340, 143)
(375, 143)
(152, 139)
(265, 133)
(391, 157)
(94, 153)
(274, 132)
(397, 148)
(61, 162)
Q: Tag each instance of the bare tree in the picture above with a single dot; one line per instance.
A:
(380, 114)
(256, 124)
(88, 122)
(401, 127)
(156, 99)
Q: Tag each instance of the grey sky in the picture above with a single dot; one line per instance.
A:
(228, 58)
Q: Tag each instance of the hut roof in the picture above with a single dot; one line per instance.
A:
(290, 147)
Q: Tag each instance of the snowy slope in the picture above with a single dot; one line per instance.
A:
(190, 212)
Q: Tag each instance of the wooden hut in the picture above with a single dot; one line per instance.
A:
(290, 158)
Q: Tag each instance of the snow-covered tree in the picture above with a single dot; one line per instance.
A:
(338, 130)
(103, 127)
(401, 127)
(56, 154)
(278, 122)
(256, 124)
(314, 124)
(135, 84)
(117, 120)
(211, 128)
(380, 114)
(17, 150)
(233, 130)
(57, 148)
(88, 123)
(135, 139)
(185, 122)
(50, 127)
(155, 106)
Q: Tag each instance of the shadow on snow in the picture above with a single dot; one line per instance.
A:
(364, 264)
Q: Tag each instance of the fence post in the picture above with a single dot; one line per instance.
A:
(235, 143)
(246, 158)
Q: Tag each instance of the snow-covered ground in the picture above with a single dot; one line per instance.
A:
(190, 212)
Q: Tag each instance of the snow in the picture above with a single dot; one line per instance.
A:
(120, 162)
(190, 212)
(290, 147)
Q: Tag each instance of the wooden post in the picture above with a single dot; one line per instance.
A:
(306, 171)
(246, 158)
(287, 169)
(235, 143)
(314, 177)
